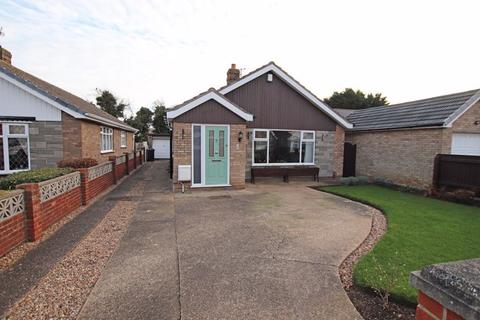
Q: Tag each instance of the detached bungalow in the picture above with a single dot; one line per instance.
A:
(399, 142)
(41, 124)
(265, 123)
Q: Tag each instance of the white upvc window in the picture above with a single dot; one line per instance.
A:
(278, 147)
(106, 139)
(14, 148)
(123, 139)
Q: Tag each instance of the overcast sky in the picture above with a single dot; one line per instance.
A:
(172, 50)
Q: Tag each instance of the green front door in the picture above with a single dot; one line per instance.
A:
(216, 155)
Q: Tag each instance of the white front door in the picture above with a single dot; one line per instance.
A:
(466, 144)
(162, 148)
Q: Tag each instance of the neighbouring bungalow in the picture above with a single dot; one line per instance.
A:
(399, 142)
(41, 124)
(264, 123)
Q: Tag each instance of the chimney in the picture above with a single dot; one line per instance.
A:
(233, 74)
(5, 55)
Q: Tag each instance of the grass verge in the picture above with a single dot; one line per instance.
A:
(421, 231)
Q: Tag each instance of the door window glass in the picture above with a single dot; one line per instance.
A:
(211, 142)
(221, 143)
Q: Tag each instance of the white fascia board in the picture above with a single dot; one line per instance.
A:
(285, 77)
(460, 111)
(209, 96)
(41, 96)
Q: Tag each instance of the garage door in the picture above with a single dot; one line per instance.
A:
(162, 148)
(466, 144)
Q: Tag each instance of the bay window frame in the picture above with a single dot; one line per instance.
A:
(107, 134)
(267, 139)
(4, 136)
(123, 139)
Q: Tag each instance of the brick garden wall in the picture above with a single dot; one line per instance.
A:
(59, 207)
(27, 212)
(430, 309)
(12, 221)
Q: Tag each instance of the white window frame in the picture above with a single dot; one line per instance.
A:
(106, 133)
(123, 139)
(4, 137)
(268, 148)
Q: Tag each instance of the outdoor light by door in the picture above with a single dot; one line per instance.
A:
(240, 136)
(183, 133)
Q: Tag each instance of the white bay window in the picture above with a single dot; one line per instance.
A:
(283, 147)
(14, 147)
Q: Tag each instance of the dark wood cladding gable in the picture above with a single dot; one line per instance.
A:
(210, 112)
(276, 105)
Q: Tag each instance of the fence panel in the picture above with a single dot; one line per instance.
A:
(456, 171)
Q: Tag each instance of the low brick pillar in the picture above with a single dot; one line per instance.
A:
(127, 169)
(141, 157)
(113, 160)
(448, 291)
(33, 210)
(84, 184)
(134, 160)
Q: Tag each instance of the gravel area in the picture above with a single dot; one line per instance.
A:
(379, 227)
(14, 255)
(63, 291)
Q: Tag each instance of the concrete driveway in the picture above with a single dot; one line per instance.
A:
(271, 251)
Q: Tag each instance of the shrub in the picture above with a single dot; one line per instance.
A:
(77, 163)
(35, 175)
(354, 181)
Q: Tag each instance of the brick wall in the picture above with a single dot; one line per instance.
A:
(93, 186)
(402, 156)
(12, 220)
(55, 209)
(12, 233)
(406, 156)
(72, 132)
(339, 140)
(46, 144)
(91, 142)
(238, 155)
(27, 212)
(182, 149)
(430, 309)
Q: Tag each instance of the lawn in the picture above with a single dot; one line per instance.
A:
(421, 231)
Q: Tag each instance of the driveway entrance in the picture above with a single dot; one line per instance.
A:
(271, 251)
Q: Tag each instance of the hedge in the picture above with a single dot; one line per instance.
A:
(32, 176)
(77, 163)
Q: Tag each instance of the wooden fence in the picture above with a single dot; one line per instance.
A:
(456, 171)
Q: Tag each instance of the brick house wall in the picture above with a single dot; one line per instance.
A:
(91, 142)
(181, 148)
(406, 156)
(402, 156)
(72, 144)
(238, 155)
(182, 152)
